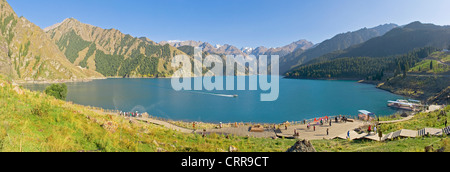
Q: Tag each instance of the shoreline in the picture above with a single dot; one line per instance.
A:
(56, 81)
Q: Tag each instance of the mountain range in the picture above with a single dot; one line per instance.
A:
(232, 50)
(338, 42)
(72, 50)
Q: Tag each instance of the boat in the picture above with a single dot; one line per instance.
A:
(235, 96)
(411, 105)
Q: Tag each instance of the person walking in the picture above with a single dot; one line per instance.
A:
(328, 131)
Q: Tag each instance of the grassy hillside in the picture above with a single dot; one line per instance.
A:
(35, 122)
(32, 121)
(435, 63)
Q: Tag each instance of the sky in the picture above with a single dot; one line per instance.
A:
(243, 23)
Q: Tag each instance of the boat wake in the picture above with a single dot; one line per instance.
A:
(215, 94)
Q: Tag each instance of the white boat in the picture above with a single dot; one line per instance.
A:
(405, 105)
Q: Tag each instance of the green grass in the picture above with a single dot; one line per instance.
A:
(420, 121)
(35, 122)
(424, 66)
(399, 145)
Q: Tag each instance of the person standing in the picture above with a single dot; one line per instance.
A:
(328, 131)
(348, 135)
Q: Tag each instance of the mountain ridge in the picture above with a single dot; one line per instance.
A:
(111, 52)
(233, 50)
(30, 55)
(338, 42)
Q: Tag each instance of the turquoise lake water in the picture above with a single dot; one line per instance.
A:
(298, 100)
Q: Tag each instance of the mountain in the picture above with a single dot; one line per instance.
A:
(300, 45)
(338, 42)
(232, 50)
(399, 41)
(28, 54)
(111, 52)
(207, 47)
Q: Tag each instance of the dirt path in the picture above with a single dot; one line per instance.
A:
(395, 121)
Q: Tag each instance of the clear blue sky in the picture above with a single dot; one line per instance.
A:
(252, 23)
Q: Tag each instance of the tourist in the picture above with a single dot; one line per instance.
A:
(348, 135)
(370, 129)
(314, 127)
(330, 123)
(445, 123)
(328, 131)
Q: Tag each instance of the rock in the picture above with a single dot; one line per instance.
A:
(18, 90)
(160, 150)
(429, 149)
(156, 143)
(302, 146)
(404, 115)
(441, 150)
(233, 149)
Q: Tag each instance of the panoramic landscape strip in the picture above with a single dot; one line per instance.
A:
(77, 87)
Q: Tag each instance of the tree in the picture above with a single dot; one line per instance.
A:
(58, 91)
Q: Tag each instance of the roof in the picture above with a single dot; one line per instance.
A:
(365, 112)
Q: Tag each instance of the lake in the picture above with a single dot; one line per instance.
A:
(298, 100)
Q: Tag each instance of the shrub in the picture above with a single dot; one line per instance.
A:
(58, 91)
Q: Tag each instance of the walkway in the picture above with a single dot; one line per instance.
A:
(397, 134)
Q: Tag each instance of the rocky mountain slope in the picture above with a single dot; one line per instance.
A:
(111, 52)
(28, 54)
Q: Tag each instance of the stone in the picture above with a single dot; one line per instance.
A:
(302, 146)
